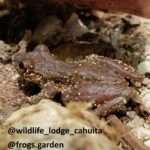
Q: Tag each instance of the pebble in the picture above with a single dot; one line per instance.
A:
(147, 143)
(144, 67)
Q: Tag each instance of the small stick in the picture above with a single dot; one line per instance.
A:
(126, 136)
(110, 107)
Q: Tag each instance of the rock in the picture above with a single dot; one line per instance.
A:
(144, 67)
(6, 51)
(48, 114)
(147, 143)
(140, 128)
(49, 31)
(11, 96)
(145, 98)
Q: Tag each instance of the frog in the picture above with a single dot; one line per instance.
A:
(105, 83)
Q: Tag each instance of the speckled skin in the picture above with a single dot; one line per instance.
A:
(95, 79)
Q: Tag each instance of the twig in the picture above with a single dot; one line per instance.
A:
(126, 136)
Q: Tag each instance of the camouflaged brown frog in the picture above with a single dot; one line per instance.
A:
(99, 80)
